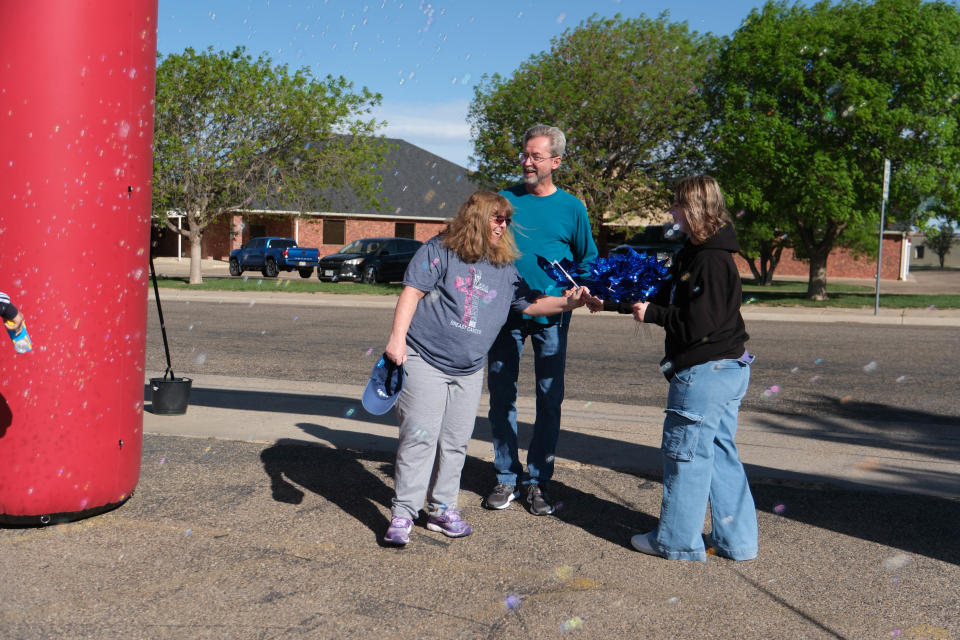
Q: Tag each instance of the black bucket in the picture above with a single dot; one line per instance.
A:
(170, 396)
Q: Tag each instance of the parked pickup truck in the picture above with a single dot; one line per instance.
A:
(271, 256)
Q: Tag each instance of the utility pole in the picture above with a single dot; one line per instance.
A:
(883, 211)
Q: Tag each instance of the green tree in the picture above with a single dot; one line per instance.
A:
(941, 240)
(231, 130)
(627, 93)
(762, 243)
(808, 101)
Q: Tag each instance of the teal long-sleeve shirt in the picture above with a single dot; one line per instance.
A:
(555, 227)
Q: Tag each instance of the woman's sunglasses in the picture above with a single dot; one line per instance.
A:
(502, 219)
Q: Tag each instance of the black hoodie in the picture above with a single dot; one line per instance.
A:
(701, 311)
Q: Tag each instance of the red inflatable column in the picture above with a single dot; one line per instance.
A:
(76, 124)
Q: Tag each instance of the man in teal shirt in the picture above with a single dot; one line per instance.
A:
(552, 223)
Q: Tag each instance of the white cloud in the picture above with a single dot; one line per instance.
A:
(440, 128)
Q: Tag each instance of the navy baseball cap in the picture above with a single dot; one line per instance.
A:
(384, 386)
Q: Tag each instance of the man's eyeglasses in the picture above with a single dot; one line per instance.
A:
(536, 157)
(502, 220)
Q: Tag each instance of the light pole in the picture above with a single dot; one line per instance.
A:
(883, 211)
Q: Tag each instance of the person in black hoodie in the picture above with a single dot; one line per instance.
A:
(708, 368)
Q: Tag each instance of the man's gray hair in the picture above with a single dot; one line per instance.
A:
(558, 141)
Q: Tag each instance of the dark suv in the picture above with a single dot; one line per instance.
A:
(369, 260)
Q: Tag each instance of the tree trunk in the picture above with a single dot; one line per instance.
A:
(769, 259)
(196, 248)
(603, 240)
(766, 273)
(774, 261)
(817, 284)
(752, 263)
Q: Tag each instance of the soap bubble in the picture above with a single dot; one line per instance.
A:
(870, 367)
(513, 601)
(779, 508)
(573, 623)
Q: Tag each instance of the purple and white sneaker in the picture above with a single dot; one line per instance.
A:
(449, 524)
(399, 531)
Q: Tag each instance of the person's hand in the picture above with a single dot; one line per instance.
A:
(593, 303)
(14, 325)
(574, 297)
(397, 349)
(639, 309)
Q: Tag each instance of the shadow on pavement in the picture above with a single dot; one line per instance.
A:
(335, 474)
(873, 412)
(915, 524)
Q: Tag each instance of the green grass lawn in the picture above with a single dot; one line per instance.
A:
(779, 294)
(257, 283)
(852, 300)
(790, 293)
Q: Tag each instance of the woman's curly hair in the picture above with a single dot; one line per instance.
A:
(468, 233)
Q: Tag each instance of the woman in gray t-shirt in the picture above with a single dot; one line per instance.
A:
(457, 292)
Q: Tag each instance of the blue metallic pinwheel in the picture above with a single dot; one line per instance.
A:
(623, 277)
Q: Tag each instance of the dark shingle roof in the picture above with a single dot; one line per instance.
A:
(417, 183)
(414, 183)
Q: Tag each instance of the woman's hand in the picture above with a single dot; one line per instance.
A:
(397, 349)
(639, 309)
(593, 302)
(574, 298)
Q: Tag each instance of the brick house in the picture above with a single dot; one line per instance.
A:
(419, 192)
(844, 264)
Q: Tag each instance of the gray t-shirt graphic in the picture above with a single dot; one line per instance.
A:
(465, 306)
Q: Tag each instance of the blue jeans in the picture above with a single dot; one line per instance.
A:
(700, 462)
(549, 358)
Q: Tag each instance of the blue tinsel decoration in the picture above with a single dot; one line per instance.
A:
(622, 277)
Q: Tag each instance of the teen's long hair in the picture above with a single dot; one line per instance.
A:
(702, 203)
(468, 233)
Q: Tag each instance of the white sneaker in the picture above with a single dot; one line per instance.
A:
(642, 543)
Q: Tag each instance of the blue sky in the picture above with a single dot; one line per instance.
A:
(424, 58)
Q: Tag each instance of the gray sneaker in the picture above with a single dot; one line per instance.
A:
(501, 496)
(538, 502)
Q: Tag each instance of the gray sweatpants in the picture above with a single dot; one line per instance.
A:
(437, 412)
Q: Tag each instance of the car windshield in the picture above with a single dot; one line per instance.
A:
(361, 246)
(283, 244)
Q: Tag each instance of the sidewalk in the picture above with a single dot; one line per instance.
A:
(813, 451)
